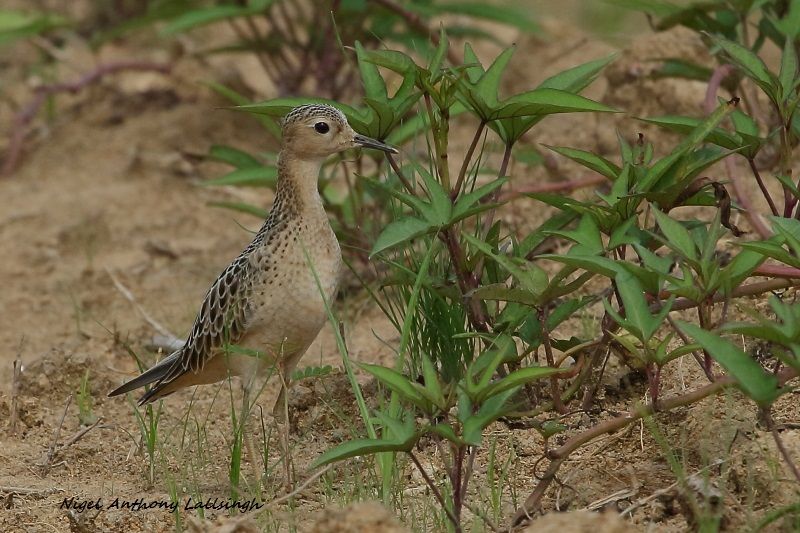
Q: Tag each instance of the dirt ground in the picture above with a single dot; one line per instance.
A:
(108, 190)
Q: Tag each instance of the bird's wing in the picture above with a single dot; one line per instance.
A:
(222, 319)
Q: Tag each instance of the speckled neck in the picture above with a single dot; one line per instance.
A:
(297, 192)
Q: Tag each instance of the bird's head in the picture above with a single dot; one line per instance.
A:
(316, 131)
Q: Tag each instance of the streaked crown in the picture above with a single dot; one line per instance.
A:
(304, 112)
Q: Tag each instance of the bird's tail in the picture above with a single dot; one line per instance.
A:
(157, 372)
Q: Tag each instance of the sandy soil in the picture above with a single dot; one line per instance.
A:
(109, 190)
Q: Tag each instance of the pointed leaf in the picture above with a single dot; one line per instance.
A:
(753, 380)
(247, 177)
(399, 232)
(676, 236)
(398, 383)
(577, 78)
(547, 102)
(599, 164)
(466, 201)
(233, 156)
(360, 447)
(752, 65)
(516, 379)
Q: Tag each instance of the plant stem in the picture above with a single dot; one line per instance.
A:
(555, 391)
(436, 493)
(687, 342)
(468, 474)
(763, 187)
(496, 194)
(767, 415)
(750, 289)
(741, 195)
(458, 470)
(704, 318)
(789, 201)
(466, 282)
(399, 172)
(416, 23)
(467, 158)
(486, 224)
(559, 455)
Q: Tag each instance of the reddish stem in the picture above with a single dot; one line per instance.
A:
(23, 118)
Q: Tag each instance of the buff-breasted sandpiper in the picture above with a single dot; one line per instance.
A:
(271, 298)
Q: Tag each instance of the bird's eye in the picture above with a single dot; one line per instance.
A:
(322, 127)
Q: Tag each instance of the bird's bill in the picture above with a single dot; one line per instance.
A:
(367, 142)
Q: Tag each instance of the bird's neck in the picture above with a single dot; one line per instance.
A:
(297, 192)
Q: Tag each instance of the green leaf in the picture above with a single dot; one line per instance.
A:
(576, 79)
(437, 59)
(749, 63)
(374, 86)
(440, 200)
(637, 309)
(233, 156)
(511, 15)
(15, 25)
(676, 236)
(500, 292)
(240, 100)
(311, 372)
(586, 235)
(673, 165)
(789, 25)
(685, 125)
(445, 431)
(400, 231)
(599, 164)
(787, 78)
(489, 84)
(398, 383)
(760, 386)
(432, 385)
(516, 379)
(773, 250)
(502, 349)
(591, 263)
(678, 68)
(360, 447)
(466, 201)
(247, 177)
(392, 59)
(741, 267)
(207, 15)
(538, 236)
(242, 208)
(491, 410)
(547, 102)
(530, 276)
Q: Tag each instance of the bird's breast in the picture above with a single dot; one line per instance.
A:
(295, 273)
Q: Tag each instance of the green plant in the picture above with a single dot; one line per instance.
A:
(459, 395)
(481, 312)
(726, 27)
(455, 415)
(299, 44)
(18, 25)
(85, 402)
